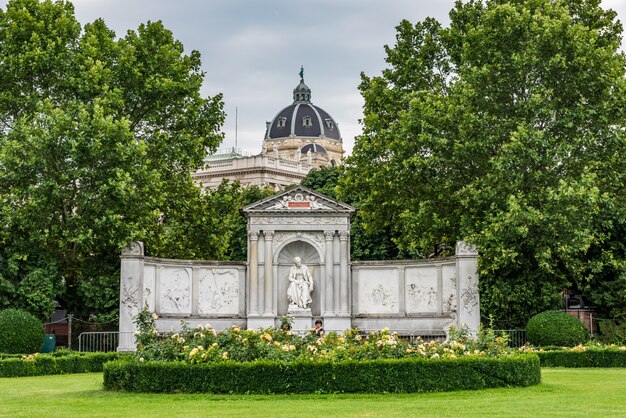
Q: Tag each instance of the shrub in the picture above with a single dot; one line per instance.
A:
(20, 332)
(555, 328)
(584, 357)
(613, 331)
(46, 364)
(405, 375)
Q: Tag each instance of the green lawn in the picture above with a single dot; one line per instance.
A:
(564, 392)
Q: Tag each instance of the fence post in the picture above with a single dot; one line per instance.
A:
(69, 331)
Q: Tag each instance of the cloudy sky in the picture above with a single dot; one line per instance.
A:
(252, 50)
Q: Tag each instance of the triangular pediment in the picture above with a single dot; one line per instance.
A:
(298, 200)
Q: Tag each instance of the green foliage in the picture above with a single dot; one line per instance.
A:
(593, 357)
(505, 129)
(98, 137)
(555, 328)
(47, 364)
(324, 180)
(349, 376)
(364, 244)
(146, 328)
(613, 332)
(238, 224)
(208, 225)
(20, 332)
(36, 291)
(286, 322)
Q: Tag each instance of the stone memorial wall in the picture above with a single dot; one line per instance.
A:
(299, 265)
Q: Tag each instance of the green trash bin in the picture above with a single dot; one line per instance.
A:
(49, 343)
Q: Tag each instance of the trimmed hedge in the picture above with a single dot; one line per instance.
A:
(47, 364)
(587, 358)
(369, 376)
(555, 328)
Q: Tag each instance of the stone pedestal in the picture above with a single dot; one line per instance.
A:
(337, 324)
(302, 321)
(256, 322)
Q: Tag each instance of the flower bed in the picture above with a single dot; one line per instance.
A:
(204, 345)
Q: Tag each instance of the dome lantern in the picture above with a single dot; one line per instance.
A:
(302, 92)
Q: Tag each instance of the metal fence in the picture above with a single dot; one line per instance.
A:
(98, 341)
(517, 337)
(68, 330)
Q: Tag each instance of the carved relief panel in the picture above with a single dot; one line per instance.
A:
(288, 220)
(218, 291)
(469, 295)
(449, 289)
(149, 287)
(378, 291)
(129, 295)
(175, 290)
(421, 290)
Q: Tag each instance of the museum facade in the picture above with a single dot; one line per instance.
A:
(300, 137)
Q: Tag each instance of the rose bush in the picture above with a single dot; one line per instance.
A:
(204, 344)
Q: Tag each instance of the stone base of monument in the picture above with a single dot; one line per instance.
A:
(337, 324)
(302, 319)
(256, 322)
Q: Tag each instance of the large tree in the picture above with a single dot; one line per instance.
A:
(506, 129)
(98, 137)
(364, 245)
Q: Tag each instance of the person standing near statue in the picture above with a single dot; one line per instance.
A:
(319, 328)
(300, 285)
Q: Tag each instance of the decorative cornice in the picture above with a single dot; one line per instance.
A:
(134, 248)
(298, 199)
(464, 248)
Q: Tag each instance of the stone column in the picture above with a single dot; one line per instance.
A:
(267, 302)
(468, 305)
(131, 293)
(330, 296)
(253, 238)
(344, 237)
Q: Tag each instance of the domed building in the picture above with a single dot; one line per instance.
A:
(305, 131)
(300, 137)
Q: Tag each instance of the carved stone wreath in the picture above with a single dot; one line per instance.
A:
(129, 297)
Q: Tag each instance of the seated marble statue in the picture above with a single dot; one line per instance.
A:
(300, 285)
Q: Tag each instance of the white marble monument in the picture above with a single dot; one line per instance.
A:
(299, 265)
